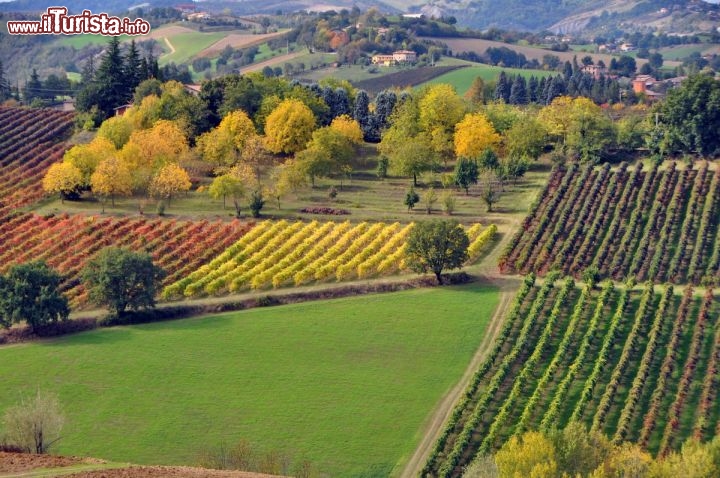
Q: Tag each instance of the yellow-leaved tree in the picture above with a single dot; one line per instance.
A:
(473, 135)
(86, 157)
(579, 126)
(144, 115)
(289, 127)
(170, 180)
(111, 178)
(440, 110)
(63, 178)
(348, 127)
(222, 145)
(531, 455)
(149, 150)
(116, 129)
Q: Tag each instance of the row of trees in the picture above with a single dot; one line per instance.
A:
(118, 278)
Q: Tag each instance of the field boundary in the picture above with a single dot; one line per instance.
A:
(90, 320)
(441, 415)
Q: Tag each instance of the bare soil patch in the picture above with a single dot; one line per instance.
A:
(19, 462)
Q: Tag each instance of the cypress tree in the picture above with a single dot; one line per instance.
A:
(132, 67)
(532, 89)
(518, 91)
(4, 85)
(112, 83)
(361, 113)
(502, 89)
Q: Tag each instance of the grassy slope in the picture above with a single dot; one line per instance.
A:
(346, 383)
(188, 45)
(462, 79)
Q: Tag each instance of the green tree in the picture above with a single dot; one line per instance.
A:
(414, 158)
(690, 116)
(228, 185)
(435, 246)
(30, 292)
(411, 198)
(4, 85)
(122, 279)
(257, 201)
(526, 138)
(466, 173)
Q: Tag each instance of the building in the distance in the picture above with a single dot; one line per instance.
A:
(596, 71)
(397, 57)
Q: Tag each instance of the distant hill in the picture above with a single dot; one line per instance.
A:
(559, 16)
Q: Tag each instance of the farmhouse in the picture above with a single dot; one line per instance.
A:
(120, 110)
(596, 71)
(400, 56)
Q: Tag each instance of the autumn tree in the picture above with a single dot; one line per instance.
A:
(349, 128)
(63, 178)
(117, 129)
(223, 145)
(149, 150)
(87, 157)
(473, 135)
(289, 127)
(476, 93)
(170, 180)
(255, 155)
(228, 185)
(440, 110)
(435, 246)
(531, 454)
(112, 178)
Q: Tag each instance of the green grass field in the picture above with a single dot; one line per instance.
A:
(187, 45)
(462, 79)
(348, 384)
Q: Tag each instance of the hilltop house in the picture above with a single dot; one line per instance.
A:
(397, 57)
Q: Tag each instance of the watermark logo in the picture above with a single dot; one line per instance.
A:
(56, 21)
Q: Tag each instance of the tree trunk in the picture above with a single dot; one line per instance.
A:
(415, 179)
(438, 276)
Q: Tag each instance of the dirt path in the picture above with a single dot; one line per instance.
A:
(271, 62)
(169, 45)
(444, 410)
(239, 40)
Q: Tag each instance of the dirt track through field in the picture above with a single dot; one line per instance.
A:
(169, 45)
(238, 40)
(271, 62)
(444, 410)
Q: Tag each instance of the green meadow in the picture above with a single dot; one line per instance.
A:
(349, 384)
(462, 78)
